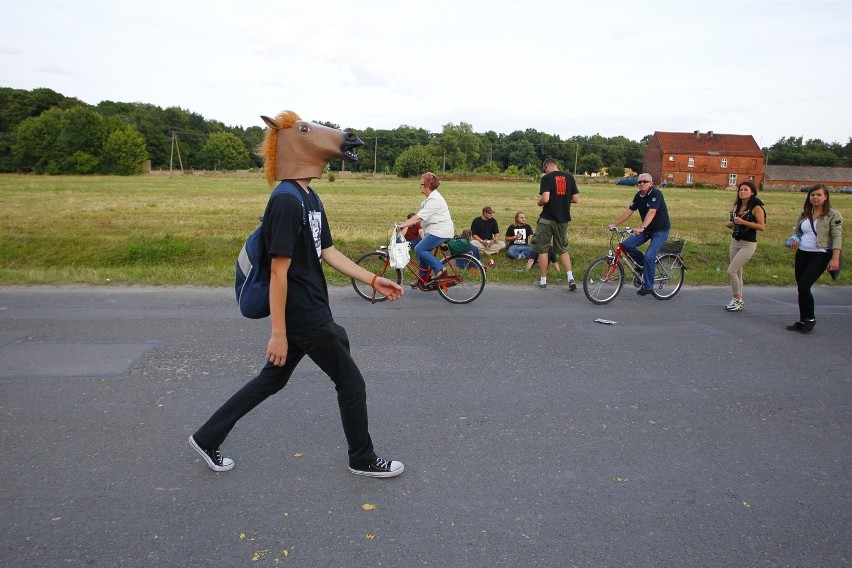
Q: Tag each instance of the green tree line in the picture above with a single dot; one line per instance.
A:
(43, 131)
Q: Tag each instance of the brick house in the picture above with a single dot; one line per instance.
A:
(795, 177)
(721, 160)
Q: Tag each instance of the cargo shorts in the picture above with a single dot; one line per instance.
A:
(549, 233)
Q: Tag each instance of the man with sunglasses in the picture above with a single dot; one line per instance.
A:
(655, 227)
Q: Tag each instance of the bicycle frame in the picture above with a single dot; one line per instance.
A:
(621, 253)
(414, 268)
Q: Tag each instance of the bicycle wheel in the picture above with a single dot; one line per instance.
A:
(669, 277)
(377, 263)
(465, 280)
(603, 280)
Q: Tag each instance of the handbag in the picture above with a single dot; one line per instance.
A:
(835, 273)
(458, 245)
(398, 251)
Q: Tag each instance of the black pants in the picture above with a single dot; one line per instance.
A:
(328, 347)
(809, 267)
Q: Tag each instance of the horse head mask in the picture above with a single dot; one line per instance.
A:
(297, 149)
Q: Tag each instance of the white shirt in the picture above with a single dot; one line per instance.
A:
(809, 240)
(435, 216)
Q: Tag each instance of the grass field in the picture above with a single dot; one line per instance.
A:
(188, 229)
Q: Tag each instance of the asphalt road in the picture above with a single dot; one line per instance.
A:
(682, 435)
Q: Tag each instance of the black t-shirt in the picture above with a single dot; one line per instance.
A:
(561, 187)
(287, 233)
(522, 234)
(484, 228)
(652, 200)
(743, 233)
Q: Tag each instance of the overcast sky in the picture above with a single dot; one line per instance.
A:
(765, 68)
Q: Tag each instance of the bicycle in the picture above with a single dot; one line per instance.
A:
(604, 277)
(463, 283)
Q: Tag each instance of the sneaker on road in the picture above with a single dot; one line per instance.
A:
(572, 286)
(213, 458)
(735, 306)
(378, 468)
(643, 291)
(539, 285)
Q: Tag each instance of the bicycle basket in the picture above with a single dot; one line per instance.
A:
(672, 247)
(458, 245)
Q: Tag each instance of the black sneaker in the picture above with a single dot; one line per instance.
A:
(378, 468)
(572, 286)
(643, 291)
(213, 458)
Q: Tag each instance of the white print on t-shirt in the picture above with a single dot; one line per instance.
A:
(521, 236)
(315, 219)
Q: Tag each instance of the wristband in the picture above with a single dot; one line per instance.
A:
(373, 281)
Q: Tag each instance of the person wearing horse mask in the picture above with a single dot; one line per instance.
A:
(298, 240)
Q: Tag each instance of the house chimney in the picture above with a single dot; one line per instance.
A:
(710, 132)
(696, 133)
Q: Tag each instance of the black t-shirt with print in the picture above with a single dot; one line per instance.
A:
(561, 187)
(287, 233)
(522, 234)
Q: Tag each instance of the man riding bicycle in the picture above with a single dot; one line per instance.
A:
(655, 227)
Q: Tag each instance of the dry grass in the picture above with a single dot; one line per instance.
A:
(188, 229)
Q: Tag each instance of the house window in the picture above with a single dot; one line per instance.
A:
(688, 178)
(691, 162)
(732, 179)
(724, 162)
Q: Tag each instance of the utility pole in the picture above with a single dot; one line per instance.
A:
(175, 144)
(576, 156)
(375, 155)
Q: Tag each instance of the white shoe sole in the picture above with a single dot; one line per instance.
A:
(227, 463)
(380, 474)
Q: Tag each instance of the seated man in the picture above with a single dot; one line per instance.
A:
(518, 238)
(486, 233)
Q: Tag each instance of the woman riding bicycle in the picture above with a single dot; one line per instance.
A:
(655, 227)
(434, 216)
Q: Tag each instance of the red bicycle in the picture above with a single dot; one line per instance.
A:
(463, 283)
(604, 277)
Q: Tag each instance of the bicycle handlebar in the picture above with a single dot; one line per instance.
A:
(623, 231)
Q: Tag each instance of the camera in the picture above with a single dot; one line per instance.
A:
(737, 229)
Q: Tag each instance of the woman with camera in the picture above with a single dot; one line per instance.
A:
(747, 217)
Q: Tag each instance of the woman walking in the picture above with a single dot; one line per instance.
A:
(817, 240)
(746, 219)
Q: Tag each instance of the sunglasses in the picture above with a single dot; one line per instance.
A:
(641, 181)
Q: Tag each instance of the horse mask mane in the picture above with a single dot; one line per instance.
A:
(296, 149)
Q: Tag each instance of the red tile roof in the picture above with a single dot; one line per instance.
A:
(707, 143)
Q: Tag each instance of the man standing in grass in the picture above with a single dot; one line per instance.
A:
(557, 192)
